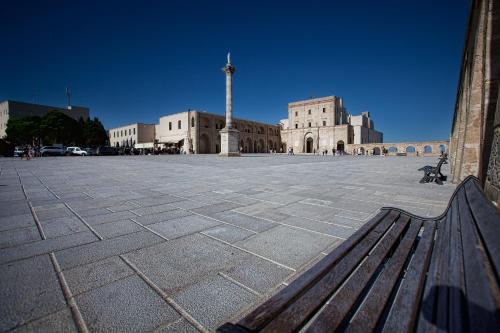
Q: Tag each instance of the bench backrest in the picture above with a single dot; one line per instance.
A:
(399, 272)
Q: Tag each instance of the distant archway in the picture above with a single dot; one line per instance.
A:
(361, 151)
(309, 145)
(410, 149)
(427, 149)
(340, 145)
(442, 148)
(376, 151)
(204, 145)
(392, 149)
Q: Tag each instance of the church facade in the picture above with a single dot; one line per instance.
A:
(324, 124)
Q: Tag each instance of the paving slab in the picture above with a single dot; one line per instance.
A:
(90, 276)
(245, 221)
(178, 263)
(58, 322)
(126, 305)
(287, 246)
(18, 236)
(45, 246)
(117, 228)
(182, 226)
(88, 253)
(228, 233)
(29, 289)
(213, 301)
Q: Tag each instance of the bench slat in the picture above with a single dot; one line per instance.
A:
(456, 290)
(276, 304)
(369, 314)
(426, 319)
(486, 218)
(304, 307)
(404, 312)
(482, 309)
(341, 304)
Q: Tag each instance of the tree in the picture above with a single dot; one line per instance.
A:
(94, 133)
(25, 130)
(56, 127)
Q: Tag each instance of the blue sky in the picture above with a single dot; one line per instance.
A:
(136, 61)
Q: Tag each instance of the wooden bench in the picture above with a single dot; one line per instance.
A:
(399, 273)
(433, 174)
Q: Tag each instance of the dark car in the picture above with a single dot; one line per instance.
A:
(106, 150)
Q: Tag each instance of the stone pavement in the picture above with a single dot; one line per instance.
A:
(180, 243)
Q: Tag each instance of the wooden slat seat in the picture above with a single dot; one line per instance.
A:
(399, 273)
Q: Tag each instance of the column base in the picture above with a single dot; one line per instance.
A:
(230, 142)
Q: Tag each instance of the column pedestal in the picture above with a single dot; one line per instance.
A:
(229, 142)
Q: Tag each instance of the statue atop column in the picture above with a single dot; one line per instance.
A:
(229, 135)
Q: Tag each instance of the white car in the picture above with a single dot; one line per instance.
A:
(75, 151)
(18, 152)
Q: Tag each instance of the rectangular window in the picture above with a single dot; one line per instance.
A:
(179, 125)
(296, 114)
(309, 124)
(324, 110)
(324, 123)
(121, 132)
(296, 125)
(129, 131)
(309, 111)
(134, 132)
(170, 126)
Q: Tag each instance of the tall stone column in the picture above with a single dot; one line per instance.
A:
(230, 137)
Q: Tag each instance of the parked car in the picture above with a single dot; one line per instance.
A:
(75, 151)
(90, 151)
(18, 152)
(107, 150)
(52, 151)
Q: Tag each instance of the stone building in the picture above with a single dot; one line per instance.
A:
(198, 132)
(475, 137)
(10, 109)
(133, 135)
(319, 124)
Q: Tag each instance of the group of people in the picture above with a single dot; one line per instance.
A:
(29, 152)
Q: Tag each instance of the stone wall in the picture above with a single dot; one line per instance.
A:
(474, 138)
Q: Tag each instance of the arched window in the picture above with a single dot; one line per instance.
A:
(427, 149)
(410, 149)
(192, 121)
(442, 148)
(392, 150)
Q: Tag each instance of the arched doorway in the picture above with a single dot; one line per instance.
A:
(204, 145)
(427, 149)
(255, 147)
(376, 151)
(217, 145)
(262, 146)
(340, 146)
(309, 145)
(249, 146)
